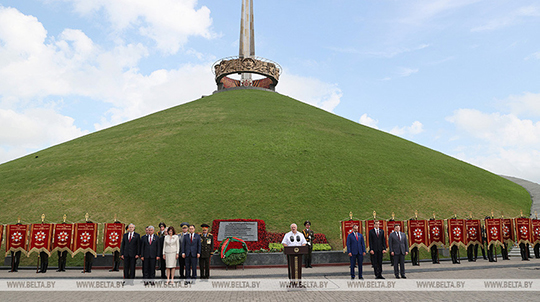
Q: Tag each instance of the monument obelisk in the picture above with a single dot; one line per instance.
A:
(246, 64)
(247, 36)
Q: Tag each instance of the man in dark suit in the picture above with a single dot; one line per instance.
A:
(129, 251)
(182, 261)
(161, 235)
(377, 247)
(356, 249)
(398, 244)
(191, 252)
(150, 249)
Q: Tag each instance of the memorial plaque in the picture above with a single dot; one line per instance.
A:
(245, 230)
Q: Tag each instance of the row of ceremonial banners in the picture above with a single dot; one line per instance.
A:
(73, 238)
(460, 232)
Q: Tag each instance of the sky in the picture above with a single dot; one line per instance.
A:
(461, 77)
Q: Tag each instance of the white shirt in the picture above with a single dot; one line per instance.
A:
(298, 239)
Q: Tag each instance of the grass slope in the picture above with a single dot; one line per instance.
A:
(247, 154)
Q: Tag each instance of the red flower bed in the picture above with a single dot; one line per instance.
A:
(278, 237)
(252, 245)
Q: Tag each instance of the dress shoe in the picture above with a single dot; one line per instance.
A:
(380, 277)
(361, 278)
(397, 277)
(403, 277)
(352, 278)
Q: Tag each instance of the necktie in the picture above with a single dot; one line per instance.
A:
(151, 240)
(377, 231)
(398, 237)
(191, 237)
(130, 236)
(356, 234)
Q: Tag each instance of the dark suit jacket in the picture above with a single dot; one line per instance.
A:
(191, 248)
(150, 251)
(130, 249)
(354, 246)
(377, 244)
(161, 241)
(398, 246)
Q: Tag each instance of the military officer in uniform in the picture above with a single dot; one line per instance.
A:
(116, 257)
(310, 236)
(415, 254)
(161, 235)
(207, 249)
(88, 260)
(454, 251)
(44, 259)
(15, 260)
(504, 251)
(434, 252)
(484, 240)
(62, 258)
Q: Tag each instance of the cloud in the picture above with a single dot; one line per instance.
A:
(414, 129)
(509, 18)
(527, 103)
(388, 53)
(503, 143)
(33, 129)
(367, 121)
(169, 23)
(141, 95)
(405, 72)
(36, 69)
(497, 129)
(534, 56)
(422, 11)
(310, 90)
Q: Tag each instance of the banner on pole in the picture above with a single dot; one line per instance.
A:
(418, 234)
(85, 238)
(16, 238)
(112, 237)
(40, 238)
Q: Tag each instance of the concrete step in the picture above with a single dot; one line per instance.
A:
(514, 252)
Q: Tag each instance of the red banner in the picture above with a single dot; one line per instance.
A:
(346, 229)
(85, 238)
(16, 238)
(436, 232)
(535, 231)
(456, 232)
(40, 238)
(370, 225)
(523, 230)
(63, 237)
(112, 237)
(1, 233)
(474, 232)
(418, 233)
(389, 228)
(508, 230)
(494, 231)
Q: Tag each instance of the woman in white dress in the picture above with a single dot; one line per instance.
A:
(171, 247)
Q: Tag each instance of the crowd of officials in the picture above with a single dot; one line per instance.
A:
(399, 248)
(169, 250)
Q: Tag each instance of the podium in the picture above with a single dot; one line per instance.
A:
(294, 260)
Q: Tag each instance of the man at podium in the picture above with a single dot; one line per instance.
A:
(294, 238)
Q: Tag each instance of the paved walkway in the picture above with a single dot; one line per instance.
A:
(513, 269)
(532, 188)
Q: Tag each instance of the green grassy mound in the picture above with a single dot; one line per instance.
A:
(247, 154)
